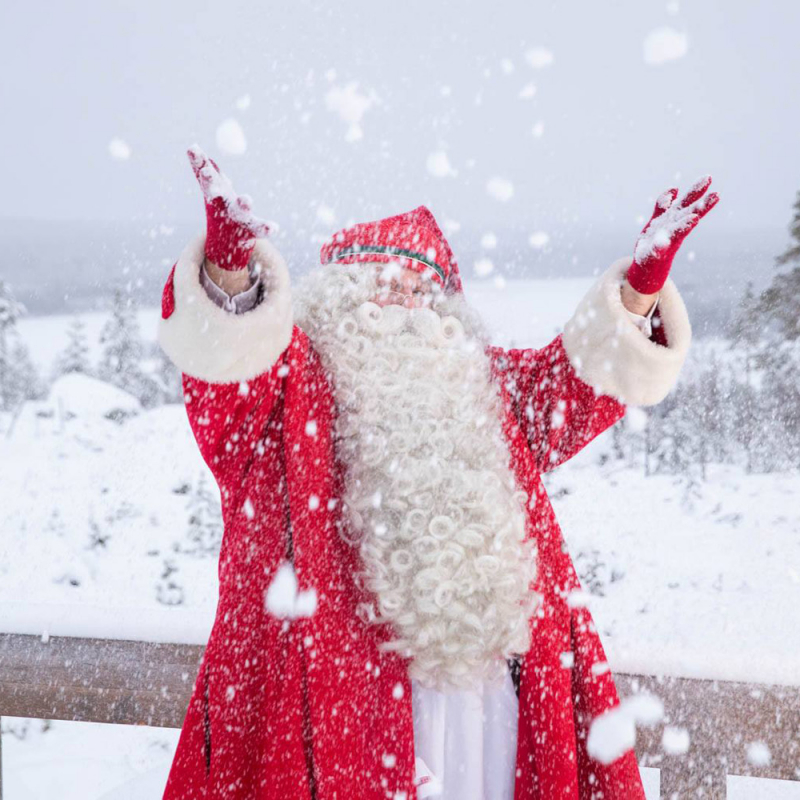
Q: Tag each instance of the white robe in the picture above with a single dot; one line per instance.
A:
(465, 742)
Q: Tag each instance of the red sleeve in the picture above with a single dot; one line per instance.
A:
(558, 413)
(230, 420)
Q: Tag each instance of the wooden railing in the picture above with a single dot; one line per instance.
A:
(141, 683)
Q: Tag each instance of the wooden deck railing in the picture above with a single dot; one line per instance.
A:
(141, 683)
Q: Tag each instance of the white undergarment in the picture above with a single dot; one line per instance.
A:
(465, 742)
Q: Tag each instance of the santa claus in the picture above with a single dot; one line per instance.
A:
(378, 457)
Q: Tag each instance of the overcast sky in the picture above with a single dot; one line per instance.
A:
(613, 130)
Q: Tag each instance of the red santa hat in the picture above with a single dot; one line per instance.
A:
(414, 240)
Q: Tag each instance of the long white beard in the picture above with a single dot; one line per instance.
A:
(430, 498)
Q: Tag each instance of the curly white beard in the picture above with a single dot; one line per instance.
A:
(430, 497)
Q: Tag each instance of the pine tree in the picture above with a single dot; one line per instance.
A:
(18, 378)
(792, 254)
(747, 337)
(75, 357)
(780, 303)
(167, 377)
(205, 521)
(123, 353)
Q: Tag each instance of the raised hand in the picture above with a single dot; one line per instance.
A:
(660, 239)
(231, 226)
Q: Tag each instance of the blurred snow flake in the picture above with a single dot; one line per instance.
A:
(527, 91)
(119, 149)
(663, 45)
(488, 241)
(539, 57)
(538, 130)
(325, 214)
(350, 105)
(500, 189)
(507, 65)
(248, 509)
(578, 598)
(230, 138)
(614, 732)
(758, 754)
(675, 740)
(538, 240)
(483, 267)
(451, 226)
(439, 165)
(243, 102)
(283, 601)
(636, 419)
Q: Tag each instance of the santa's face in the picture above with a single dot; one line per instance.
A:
(402, 286)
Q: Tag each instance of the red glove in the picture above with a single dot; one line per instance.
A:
(231, 227)
(660, 239)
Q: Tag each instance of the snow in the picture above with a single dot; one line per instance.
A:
(539, 57)
(230, 138)
(758, 754)
(282, 598)
(527, 91)
(675, 740)
(438, 165)
(483, 267)
(663, 45)
(119, 149)
(326, 215)
(80, 761)
(500, 189)
(350, 105)
(488, 241)
(676, 218)
(83, 396)
(538, 130)
(243, 102)
(539, 240)
(614, 732)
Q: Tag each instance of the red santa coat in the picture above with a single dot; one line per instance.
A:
(310, 708)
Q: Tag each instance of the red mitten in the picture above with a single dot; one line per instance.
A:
(660, 239)
(231, 227)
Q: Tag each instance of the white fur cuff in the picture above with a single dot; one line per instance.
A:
(215, 345)
(613, 356)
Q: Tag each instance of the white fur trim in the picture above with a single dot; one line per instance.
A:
(613, 356)
(210, 343)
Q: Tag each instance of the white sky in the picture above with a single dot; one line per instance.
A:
(616, 129)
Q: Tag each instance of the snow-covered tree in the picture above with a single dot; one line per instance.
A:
(168, 591)
(167, 377)
(75, 357)
(780, 302)
(123, 351)
(205, 520)
(18, 378)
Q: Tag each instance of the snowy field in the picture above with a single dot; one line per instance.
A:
(97, 535)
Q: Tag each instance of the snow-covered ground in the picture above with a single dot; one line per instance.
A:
(96, 511)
